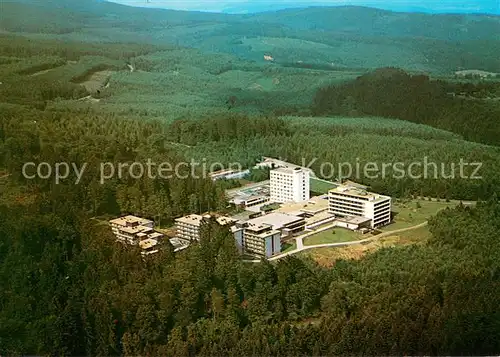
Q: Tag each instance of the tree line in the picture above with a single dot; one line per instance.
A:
(69, 289)
(391, 92)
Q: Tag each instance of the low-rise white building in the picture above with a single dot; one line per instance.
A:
(287, 224)
(349, 201)
(228, 174)
(148, 246)
(289, 185)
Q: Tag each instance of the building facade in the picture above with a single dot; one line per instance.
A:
(349, 201)
(263, 236)
(228, 174)
(289, 185)
(188, 227)
(136, 231)
(260, 239)
(287, 224)
(131, 229)
(273, 163)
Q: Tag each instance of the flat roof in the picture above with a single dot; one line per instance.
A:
(256, 227)
(288, 170)
(196, 219)
(319, 217)
(148, 243)
(227, 172)
(221, 171)
(193, 219)
(354, 184)
(136, 229)
(262, 230)
(155, 235)
(243, 216)
(177, 242)
(268, 161)
(358, 192)
(354, 219)
(314, 205)
(276, 220)
(223, 220)
(263, 185)
(268, 233)
(122, 221)
(244, 195)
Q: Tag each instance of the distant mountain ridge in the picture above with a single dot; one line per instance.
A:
(259, 8)
(255, 6)
(344, 36)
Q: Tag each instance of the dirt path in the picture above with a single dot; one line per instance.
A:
(301, 247)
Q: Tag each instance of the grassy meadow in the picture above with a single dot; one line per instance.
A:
(408, 213)
(335, 235)
(327, 257)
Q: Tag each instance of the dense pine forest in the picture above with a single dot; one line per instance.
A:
(468, 109)
(68, 288)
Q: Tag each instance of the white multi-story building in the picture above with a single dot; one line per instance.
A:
(188, 227)
(273, 163)
(289, 185)
(131, 229)
(136, 231)
(350, 201)
(263, 235)
(260, 239)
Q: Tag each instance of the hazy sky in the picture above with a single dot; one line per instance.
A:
(474, 6)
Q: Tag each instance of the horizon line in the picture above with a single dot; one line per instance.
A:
(238, 9)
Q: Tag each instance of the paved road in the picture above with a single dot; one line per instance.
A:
(302, 248)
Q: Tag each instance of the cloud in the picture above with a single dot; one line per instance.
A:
(488, 6)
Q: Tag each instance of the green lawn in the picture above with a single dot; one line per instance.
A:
(320, 186)
(414, 236)
(288, 246)
(340, 235)
(415, 212)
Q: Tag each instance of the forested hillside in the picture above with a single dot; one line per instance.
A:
(68, 289)
(468, 109)
(75, 90)
(345, 37)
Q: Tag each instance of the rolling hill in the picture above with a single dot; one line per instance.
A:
(345, 37)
